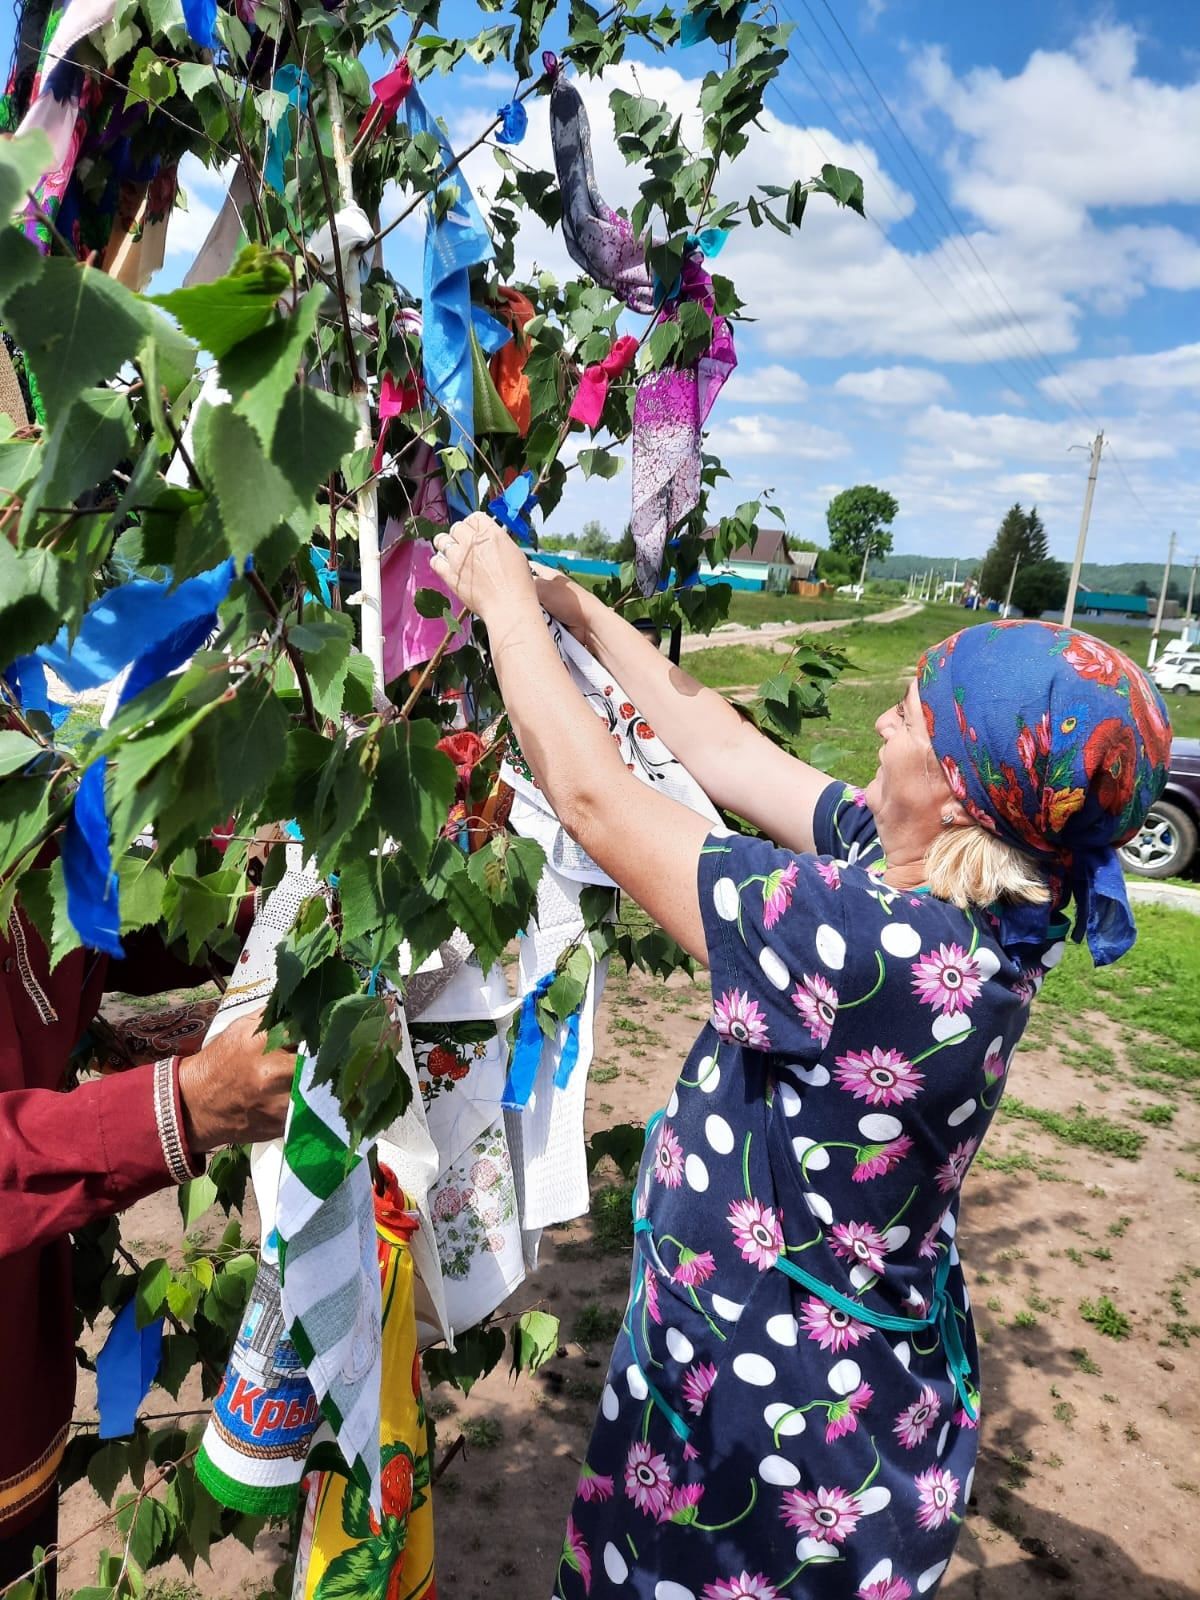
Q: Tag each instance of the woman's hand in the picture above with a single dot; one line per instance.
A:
(235, 1091)
(482, 564)
(566, 601)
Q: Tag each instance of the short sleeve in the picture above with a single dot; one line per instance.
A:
(844, 826)
(775, 928)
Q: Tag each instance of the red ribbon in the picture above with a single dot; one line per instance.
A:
(593, 386)
(394, 400)
(390, 91)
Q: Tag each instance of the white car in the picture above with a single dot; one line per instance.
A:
(1178, 675)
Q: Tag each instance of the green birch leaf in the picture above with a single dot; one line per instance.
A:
(845, 186)
(76, 326)
(534, 1341)
(220, 315)
(17, 750)
(151, 1293)
(414, 788)
(327, 659)
(24, 810)
(252, 494)
(141, 892)
(34, 598)
(22, 163)
(195, 1198)
(151, 80)
(478, 1351)
(259, 371)
(314, 432)
(107, 1468)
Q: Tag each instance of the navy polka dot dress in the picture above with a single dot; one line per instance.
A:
(792, 1402)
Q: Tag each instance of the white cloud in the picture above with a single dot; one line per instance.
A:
(1151, 375)
(894, 386)
(772, 385)
(760, 434)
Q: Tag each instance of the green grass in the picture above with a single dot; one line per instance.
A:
(1082, 1128)
(749, 609)
(483, 1433)
(1105, 1318)
(612, 1217)
(597, 1324)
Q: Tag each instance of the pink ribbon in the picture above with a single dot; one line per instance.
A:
(390, 91)
(593, 386)
(394, 400)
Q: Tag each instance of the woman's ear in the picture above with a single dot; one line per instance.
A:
(955, 814)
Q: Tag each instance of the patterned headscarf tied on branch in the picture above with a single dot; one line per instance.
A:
(672, 405)
(1060, 745)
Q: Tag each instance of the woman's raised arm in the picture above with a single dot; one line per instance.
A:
(736, 766)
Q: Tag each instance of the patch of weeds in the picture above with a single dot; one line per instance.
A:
(172, 1589)
(1187, 1486)
(1105, 1317)
(995, 1303)
(1012, 1253)
(605, 1074)
(1054, 1462)
(1181, 1333)
(1084, 1363)
(1024, 1319)
(1016, 1469)
(1073, 1255)
(1109, 1399)
(1017, 1161)
(1038, 1302)
(1065, 1413)
(1117, 1228)
(1159, 1115)
(1101, 1253)
(612, 1217)
(483, 1433)
(1081, 1128)
(597, 1324)
(1188, 1177)
(1152, 1081)
(439, 1410)
(1131, 1434)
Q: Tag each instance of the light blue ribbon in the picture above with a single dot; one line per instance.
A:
(125, 1369)
(201, 19)
(527, 1051)
(454, 242)
(512, 507)
(709, 241)
(514, 122)
(155, 629)
(294, 82)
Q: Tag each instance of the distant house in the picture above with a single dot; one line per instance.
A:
(1098, 604)
(771, 563)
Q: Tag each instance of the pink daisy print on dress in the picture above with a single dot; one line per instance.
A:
(777, 893)
(740, 1020)
(938, 1490)
(648, 1479)
(874, 1160)
(861, 1243)
(884, 1589)
(575, 1554)
(816, 1000)
(668, 1158)
(684, 1505)
(880, 1077)
(947, 979)
(697, 1381)
(594, 1485)
(831, 1328)
(831, 874)
(756, 1232)
(827, 1514)
(694, 1268)
(914, 1422)
(743, 1587)
(954, 1169)
(842, 1417)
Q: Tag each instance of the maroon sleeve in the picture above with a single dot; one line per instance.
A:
(66, 1159)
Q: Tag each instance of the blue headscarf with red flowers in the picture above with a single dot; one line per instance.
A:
(1059, 744)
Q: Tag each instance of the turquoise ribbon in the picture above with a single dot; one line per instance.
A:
(294, 82)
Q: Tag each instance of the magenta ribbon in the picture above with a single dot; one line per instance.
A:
(390, 92)
(593, 386)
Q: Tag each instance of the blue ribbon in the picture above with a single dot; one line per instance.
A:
(514, 121)
(201, 19)
(26, 677)
(454, 242)
(125, 1369)
(327, 574)
(156, 629)
(294, 82)
(511, 507)
(709, 241)
(527, 1051)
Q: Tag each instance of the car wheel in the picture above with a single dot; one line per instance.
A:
(1165, 845)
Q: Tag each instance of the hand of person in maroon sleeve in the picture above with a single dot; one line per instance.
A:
(235, 1091)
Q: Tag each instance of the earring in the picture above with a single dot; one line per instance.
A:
(947, 819)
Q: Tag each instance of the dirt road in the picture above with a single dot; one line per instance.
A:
(769, 635)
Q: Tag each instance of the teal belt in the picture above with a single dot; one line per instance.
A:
(941, 1313)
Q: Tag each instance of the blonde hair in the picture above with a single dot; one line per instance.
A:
(968, 866)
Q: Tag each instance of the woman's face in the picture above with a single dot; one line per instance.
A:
(908, 788)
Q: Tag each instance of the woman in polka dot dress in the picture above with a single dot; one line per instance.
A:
(792, 1403)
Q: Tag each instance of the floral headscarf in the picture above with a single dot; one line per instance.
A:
(1059, 744)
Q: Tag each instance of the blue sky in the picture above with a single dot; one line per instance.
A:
(955, 368)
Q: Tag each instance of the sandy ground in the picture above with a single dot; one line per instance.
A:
(1089, 1477)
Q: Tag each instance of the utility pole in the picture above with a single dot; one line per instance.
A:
(1192, 587)
(862, 577)
(1162, 602)
(1073, 586)
(954, 584)
(1012, 578)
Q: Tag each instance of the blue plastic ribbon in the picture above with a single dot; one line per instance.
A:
(294, 82)
(512, 507)
(569, 1055)
(455, 241)
(327, 575)
(125, 1369)
(709, 241)
(514, 121)
(527, 1051)
(155, 629)
(201, 19)
(26, 677)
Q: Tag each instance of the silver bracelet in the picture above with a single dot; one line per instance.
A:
(169, 1134)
